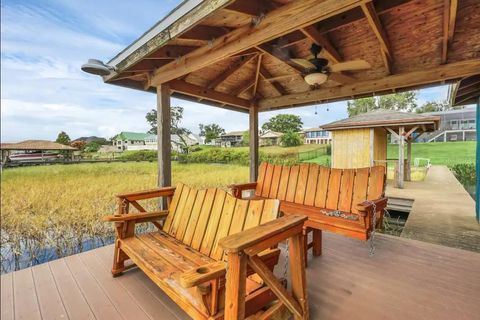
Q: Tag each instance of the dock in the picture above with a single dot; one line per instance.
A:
(404, 279)
(442, 211)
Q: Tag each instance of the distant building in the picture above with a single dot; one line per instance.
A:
(230, 139)
(317, 136)
(270, 138)
(455, 125)
(129, 140)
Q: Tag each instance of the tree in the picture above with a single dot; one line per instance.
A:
(246, 138)
(176, 115)
(405, 101)
(92, 146)
(291, 139)
(79, 144)
(210, 131)
(432, 106)
(63, 138)
(283, 123)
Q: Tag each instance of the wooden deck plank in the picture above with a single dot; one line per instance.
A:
(405, 279)
(6, 295)
(25, 296)
(124, 302)
(152, 299)
(75, 303)
(99, 303)
(51, 304)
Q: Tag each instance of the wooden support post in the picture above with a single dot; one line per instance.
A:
(235, 286)
(401, 157)
(253, 134)
(477, 165)
(409, 160)
(164, 145)
(297, 273)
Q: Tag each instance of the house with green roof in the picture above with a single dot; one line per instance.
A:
(129, 140)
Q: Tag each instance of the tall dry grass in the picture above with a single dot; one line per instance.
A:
(54, 211)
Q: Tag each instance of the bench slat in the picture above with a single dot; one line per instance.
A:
(202, 223)
(292, 184)
(267, 182)
(301, 183)
(173, 206)
(376, 183)
(282, 188)
(260, 179)
(186, 214)
(212, 227)
(360, 187)
(346, 190)
(277, 172)
(311, 185)
(194, 217)
(333, 191)
(176, 214)
(233, 211)
(322, 187)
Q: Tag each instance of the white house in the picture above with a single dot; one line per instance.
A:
(317, 136)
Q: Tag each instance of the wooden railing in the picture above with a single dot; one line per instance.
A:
(242, 251)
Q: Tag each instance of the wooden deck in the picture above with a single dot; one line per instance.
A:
(406, 279)
(442, 212)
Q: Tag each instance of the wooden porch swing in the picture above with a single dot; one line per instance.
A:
(207, 251)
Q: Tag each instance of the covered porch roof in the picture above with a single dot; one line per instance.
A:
(236, 54)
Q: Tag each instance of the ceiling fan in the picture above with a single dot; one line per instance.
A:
(317, 70)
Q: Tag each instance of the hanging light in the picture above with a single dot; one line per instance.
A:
(315, 109)
(97, 67)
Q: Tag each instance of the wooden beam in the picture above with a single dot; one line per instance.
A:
(253, 137)
(257, 75)
(254, 8)
(208, 94)
(230, 70)
(170, 52)
(243, 88)
(467, 97)
(398, 81)
(277, 86)
(375, 24)
(290, 17)
(202, 32)
(330, 52)
(235, 286)
(449, 17)
(401, 157)
(164, 145)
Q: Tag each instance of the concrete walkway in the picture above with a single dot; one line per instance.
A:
(442, 213)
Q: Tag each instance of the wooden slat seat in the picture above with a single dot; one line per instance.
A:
(184, 257)
(336, 200)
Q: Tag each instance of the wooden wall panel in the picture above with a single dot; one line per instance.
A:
(351, 148)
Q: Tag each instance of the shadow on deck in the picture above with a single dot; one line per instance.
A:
(405, 279)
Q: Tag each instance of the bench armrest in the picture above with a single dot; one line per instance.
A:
(141, 216)
(203, 274)
(147, 194)
(264, 236)
(366, 207)
(237, 189)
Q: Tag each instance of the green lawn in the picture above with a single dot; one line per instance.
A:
(446, 153)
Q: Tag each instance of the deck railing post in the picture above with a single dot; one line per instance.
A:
(253, 135)
(297, 273)
(163, 139)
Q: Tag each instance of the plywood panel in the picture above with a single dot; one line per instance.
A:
(351, 148)
(380, 145)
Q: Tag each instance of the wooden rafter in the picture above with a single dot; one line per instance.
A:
(230, 70)
(257, 75)
(467, 97)
(328, 49)
(375, 24)
(404, 80)
(449, 17)
(294, 15)
(243, 88)
(202, 32)
(170, 52)
(277, 86)
(250, 7)
(270, 51)
(207, 94)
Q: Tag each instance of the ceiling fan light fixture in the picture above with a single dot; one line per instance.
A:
(97, 67)
(316, 78)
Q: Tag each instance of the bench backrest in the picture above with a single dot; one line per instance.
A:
(320, 186)
(200, 218)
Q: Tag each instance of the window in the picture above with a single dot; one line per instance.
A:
(471, 124)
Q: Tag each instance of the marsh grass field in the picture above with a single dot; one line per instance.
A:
(54, 211)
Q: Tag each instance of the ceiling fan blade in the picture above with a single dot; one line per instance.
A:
(350, 65)
(304, 63)
(287, 76)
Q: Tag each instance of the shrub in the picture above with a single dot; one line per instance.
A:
(465, 173)
(92, 146)
(329, 149)
(140, 155)
(291, 139)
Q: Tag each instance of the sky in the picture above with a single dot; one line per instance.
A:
(43, 90)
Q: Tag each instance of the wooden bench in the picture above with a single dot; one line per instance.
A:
(336, 200)
(185, 258)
